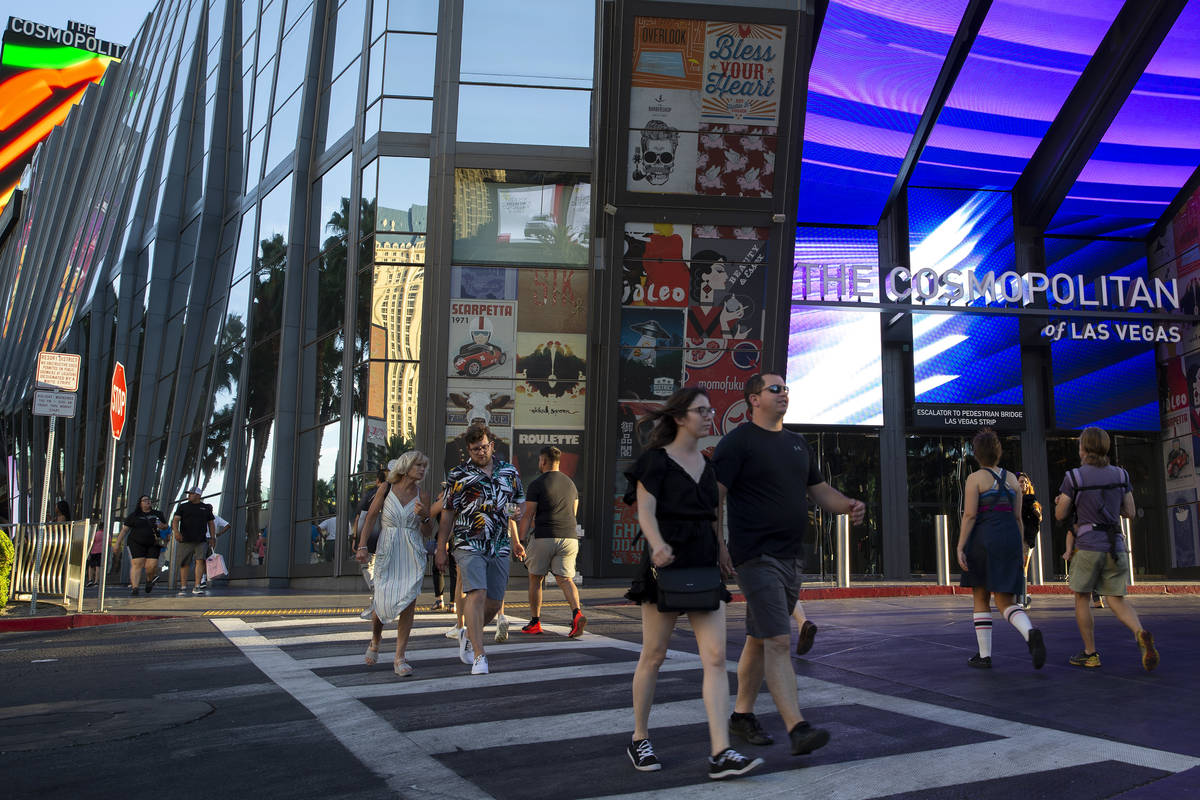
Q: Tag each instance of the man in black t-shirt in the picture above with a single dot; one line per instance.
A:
(193, 523)
(759, 466)
(551, 501)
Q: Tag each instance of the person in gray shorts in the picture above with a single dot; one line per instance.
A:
(551, 502)
(757, 467)
(482, 495)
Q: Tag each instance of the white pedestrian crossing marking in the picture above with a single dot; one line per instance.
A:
(406, 760)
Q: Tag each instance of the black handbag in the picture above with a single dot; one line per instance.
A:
(689, 588)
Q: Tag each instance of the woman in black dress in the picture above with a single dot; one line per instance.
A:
(676, 491)
(142, 527)
(989, 551)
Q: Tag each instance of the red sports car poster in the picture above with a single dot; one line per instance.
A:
(482, 338)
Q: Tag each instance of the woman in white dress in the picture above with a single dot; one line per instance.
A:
(399, 564)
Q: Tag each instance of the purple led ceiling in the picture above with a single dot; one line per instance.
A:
(1151, 148)
(1024, 62)
(875, 65)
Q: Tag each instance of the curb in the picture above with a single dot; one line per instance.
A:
(68, 621)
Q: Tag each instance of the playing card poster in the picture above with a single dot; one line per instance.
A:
(528, 444)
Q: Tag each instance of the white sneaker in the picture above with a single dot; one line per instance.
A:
(501, 628)
(480, 666)
(466, 651)
(453, 632)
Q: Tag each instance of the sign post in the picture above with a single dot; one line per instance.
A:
(55, 372)
(118, 394)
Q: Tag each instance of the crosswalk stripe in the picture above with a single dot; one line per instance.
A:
(387, 656)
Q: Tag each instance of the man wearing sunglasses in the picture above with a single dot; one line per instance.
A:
(759, 466)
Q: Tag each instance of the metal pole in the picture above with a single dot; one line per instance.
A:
(941, 528)
(843, 550)
(108, 520)
(1127, 532)
(39, 533)
(1035, 561)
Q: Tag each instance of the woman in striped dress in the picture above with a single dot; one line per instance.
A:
(399, 564)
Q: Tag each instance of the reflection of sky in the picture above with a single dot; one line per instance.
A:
(1111, 384)
(875, 64)
(835, 250)
(1023, 64)
(956, 229)
(834, 368)
(1150, 149)
(966, 358)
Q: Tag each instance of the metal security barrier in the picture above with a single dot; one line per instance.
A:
(842, 550)
(1127, 532)
(941, 529)
(49, 561)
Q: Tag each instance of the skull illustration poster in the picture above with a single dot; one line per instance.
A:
(482, 338)
(663, 140)
(654, 271)
(552, 300)
(742, 66)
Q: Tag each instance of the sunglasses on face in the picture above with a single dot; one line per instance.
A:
(704, 411)
(776, 388)
(652, 157)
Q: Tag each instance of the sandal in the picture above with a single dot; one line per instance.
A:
(372, 655)
(402, 668)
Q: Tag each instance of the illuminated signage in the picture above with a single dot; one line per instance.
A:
(77, 35)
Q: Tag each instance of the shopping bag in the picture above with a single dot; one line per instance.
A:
(214, 566)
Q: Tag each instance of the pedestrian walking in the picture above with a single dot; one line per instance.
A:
(675, 488)
(475, 525)
(140, 530)
(1031, 525)
(193, 523)
(1100, 493)
(989, 551)
(94, 553)
(398, 566)
(551, 503)
(767, 475)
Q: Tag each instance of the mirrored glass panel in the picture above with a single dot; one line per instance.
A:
(283, 130)
(409, 64)
(348, 35)
(214, 455)
(412, 15)
(562, 29)
(389, 402)
(408, 116)
(260, 446)
(403, 195)
(227, 380)
(521, 217)
(327, 366)
(518, 115)
(293, 59)
(331, 207)
(396, 305)
(253, 537)
(338, 106)
(261, 377)
(331, 288)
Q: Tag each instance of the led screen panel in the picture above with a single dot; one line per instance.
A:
(966, 359)
(834, 367)
(828, 261)
(40, 81)
(874, 67)
(1150, 149)
(1112, 383)
(1022, 66)
(955, 234)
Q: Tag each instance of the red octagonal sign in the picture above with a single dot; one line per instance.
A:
(116, 405)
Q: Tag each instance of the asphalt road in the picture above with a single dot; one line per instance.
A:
(268, 707)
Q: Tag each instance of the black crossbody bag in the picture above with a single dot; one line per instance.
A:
(689, 588)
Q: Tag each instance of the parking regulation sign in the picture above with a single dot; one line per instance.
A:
(58, 371)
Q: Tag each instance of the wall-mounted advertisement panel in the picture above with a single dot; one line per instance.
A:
(834, 368)
(960, 246)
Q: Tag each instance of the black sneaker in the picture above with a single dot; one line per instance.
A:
(642, 756)
(133, 591)
(729, 763)
(149, 586)
(808, 634)
(805, 738)
(980, 662)
(747, 727)
(1037, 648)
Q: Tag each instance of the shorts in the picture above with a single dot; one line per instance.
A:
(480, 571)
(186, 551)
(93, 560)
(144, 550)
(771, 586)
(552, 556)
(1096, 571)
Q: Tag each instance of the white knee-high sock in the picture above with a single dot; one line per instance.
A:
(983, 632)
(1019, 619)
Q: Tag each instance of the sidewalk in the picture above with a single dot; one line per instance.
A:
(227, 601)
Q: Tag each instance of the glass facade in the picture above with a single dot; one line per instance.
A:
(318, 235)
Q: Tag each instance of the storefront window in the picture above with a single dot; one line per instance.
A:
(521, 217)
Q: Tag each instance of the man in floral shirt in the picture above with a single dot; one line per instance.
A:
(482, 495)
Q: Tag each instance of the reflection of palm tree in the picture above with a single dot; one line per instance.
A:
(228, 366)
(265, 322)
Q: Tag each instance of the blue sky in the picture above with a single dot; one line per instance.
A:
(115, 20)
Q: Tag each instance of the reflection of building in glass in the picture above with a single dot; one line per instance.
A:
(396, 319)
(473, 205)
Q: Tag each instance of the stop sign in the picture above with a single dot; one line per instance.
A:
(116, 400)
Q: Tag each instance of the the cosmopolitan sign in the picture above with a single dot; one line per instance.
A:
(960, 287)
(76, 35)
